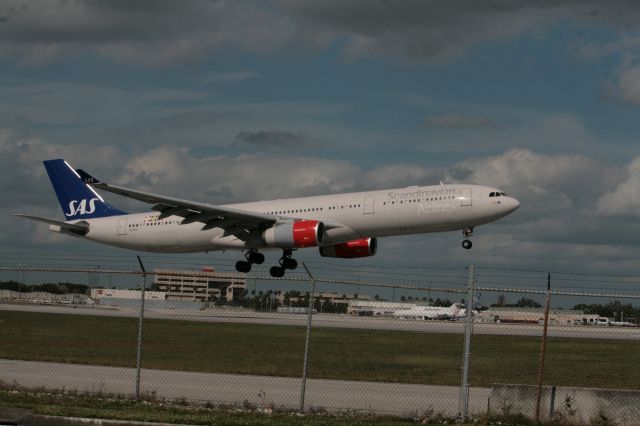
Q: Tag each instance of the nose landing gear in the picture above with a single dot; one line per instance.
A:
(285, 262)
(252, 256)
(467, 232)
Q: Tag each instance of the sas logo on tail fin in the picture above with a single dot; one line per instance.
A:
(80, 207)
(77, 199)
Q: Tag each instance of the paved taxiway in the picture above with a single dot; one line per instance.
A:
(332, 395)
(336, 321)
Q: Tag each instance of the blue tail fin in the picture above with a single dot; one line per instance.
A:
(77, 199)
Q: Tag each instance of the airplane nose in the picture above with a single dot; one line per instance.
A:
(514, 204)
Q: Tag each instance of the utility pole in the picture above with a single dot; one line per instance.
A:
(543, 348)
(468, 330)
(306, 341)
(140, 322)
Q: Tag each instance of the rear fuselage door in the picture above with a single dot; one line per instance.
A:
(122, 227)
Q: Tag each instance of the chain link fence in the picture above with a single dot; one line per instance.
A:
(450, 342)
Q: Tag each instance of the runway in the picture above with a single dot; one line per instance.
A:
(261, 391)
(335, 321)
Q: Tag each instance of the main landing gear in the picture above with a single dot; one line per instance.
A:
(252, 256)
(286, 262)
(467, 232)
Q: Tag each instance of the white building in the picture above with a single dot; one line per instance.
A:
(206, 285)
(509, 315)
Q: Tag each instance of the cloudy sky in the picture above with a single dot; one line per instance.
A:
(226, 101)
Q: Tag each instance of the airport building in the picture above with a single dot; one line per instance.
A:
(205, 285)
(536, 316)
(42, 297)
(177, 284)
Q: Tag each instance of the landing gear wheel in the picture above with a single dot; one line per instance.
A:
(255, 257)
(467, 232)
(467, 244)
(286, 261)
(277, 271)
(242, 266)
(289, 263)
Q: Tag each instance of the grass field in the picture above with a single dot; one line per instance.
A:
(49, 404)
(345, 354)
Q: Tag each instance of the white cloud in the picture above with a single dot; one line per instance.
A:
(576, 175)
(244, 177)
(558, 195)
(624, 200)
(396, 175)
(626, 88)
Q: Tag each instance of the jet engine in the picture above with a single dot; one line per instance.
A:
(363, 247)
(303, 233)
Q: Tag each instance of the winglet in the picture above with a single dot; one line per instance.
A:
(86, 177)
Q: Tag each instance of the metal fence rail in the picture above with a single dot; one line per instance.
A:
(333, 337)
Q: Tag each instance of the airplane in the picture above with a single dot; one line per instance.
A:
(341, 225)
(455, 311)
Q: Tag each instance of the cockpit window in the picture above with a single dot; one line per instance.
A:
(493, 194)
(503, 194)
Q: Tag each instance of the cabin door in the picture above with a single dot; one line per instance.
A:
(466, 199)
(122, 227)
(369, 205)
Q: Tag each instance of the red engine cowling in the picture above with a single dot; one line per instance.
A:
(351, 249)
(300, 234)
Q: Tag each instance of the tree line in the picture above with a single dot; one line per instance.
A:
(54, 288)
(615, 309)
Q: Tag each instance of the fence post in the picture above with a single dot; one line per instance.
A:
(543, 348)
(306, 342)
(140, 322)
(464, 390)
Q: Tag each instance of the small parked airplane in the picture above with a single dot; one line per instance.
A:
(341, 225)
(455, 311)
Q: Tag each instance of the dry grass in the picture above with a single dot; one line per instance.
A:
(346, 354)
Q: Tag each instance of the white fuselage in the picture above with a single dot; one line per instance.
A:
(401, 211)
(431, 312)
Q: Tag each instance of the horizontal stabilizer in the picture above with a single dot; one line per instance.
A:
(79, 229)
(86, 177)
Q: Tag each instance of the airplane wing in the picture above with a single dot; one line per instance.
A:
(234, 221)
(78, 229)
